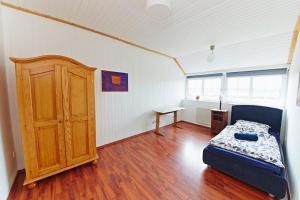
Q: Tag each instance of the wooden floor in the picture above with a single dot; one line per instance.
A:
(145, 167)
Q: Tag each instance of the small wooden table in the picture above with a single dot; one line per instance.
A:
(219, 120)
(165, 111)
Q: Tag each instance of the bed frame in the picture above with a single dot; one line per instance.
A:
(262, 179)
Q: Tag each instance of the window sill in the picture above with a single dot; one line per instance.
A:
(234, 103)
(209, 101)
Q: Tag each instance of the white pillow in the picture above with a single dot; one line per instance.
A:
(249, 126)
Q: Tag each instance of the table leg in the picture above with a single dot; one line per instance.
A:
(175, 120)
(157, 124)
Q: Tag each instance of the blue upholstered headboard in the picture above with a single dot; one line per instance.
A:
(261, 114)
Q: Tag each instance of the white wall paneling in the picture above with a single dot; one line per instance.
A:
(154, 81)
(8, 166)
(292, 139)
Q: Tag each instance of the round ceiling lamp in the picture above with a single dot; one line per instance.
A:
(159, 9)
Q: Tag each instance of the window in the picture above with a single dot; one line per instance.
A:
(206, 87)
(264, 87)
(194, 88)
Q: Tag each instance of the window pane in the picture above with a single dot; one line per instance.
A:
(267, 89)
(194, 88)
(238, 87)
(212, 88)
(267, 86)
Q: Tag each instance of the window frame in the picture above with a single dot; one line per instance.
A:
(251, 99)
(203, 78)
(283, 71)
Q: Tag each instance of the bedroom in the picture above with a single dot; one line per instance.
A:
(82, 82)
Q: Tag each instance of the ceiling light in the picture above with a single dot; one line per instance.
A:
(211, 55)
(159, 9)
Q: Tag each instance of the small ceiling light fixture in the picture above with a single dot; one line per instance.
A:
(211, 55)
(159, 9)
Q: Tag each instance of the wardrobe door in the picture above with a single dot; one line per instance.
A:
(78, 94)
(43, 114)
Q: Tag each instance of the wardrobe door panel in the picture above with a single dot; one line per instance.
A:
(46, 141)
(43, 93)
(80, 142)
(44, 116)
(78, 95)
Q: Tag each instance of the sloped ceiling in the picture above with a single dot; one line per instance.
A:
(246, 32)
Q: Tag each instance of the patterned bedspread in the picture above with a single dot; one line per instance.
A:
(265, 148)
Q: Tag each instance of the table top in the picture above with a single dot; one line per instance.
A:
(168, 109)
(218, 110)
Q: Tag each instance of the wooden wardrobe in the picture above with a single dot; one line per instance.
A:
(57, 114)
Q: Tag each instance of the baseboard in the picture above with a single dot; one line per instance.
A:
(288, 195)
(13, 176)
(13, 179)
(130, 137)
(124, 139)
(199, 125)
(21, 171)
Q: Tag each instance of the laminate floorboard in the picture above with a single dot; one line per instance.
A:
(145, 167)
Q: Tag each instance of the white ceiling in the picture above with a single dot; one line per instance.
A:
(191, 28)
(267, 51)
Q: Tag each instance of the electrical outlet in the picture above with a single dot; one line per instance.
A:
(14, 154)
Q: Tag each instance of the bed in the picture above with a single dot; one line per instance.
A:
(257, 173)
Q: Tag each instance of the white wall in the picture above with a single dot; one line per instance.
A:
(198, 112)
(154, 81)
(7, 161)
(292, 147)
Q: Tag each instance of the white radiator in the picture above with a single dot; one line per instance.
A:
(203, 116)
(199, 112)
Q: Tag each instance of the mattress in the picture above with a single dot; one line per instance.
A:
(247, 159)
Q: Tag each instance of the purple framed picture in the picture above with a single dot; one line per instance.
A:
(114, 81)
